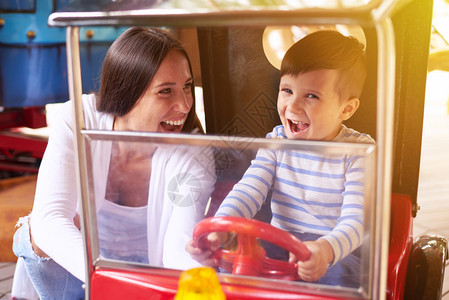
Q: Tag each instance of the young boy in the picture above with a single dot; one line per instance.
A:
(317, 197)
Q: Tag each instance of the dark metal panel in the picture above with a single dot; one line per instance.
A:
(412, 29)
(240, 85)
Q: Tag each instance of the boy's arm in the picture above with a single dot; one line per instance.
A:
(204, 256)
(244, 200)
(348, 234)
(316, 266)
(248, 195)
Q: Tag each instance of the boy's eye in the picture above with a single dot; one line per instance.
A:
(312, 96)
(286, 90)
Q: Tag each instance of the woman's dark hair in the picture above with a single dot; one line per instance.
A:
(329, 49)
(130, 65)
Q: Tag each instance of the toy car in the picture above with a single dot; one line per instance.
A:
(239, 85)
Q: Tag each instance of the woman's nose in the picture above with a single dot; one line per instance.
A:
(184, 101)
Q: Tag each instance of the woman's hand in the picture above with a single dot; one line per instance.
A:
(316, 266)
(204, 256)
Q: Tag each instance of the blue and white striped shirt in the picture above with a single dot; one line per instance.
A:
(321, 194)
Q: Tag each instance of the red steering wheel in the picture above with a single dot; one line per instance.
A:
(250, 258)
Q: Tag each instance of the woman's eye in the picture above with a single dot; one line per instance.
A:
(188, 87)
(165, 91)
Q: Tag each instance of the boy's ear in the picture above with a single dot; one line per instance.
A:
(350, 108)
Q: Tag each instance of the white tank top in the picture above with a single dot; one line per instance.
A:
(122, 232)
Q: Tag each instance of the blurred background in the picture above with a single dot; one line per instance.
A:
(433, 188)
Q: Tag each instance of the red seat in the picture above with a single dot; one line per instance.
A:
(401, 241)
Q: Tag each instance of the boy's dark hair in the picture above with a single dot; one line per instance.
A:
(130, 65)
(329, 49)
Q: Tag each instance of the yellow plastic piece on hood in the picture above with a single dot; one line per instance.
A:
(199, 283)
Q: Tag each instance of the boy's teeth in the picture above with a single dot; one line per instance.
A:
(298, 126)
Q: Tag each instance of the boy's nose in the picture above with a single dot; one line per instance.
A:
(295, 104)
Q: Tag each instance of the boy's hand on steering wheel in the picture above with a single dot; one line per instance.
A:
(316, 266)
(204, 257)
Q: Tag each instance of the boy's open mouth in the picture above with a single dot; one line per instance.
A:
(297, 126)
(172, 125)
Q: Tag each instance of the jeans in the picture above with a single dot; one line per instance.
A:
(50, 280)
(345, 272)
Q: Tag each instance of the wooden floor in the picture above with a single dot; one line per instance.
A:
(433, 194)
(6, 275)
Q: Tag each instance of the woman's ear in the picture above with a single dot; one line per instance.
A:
(349, 108)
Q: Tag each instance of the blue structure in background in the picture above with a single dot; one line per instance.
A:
(33, 66)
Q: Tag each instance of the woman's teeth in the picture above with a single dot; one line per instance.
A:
(171, 122)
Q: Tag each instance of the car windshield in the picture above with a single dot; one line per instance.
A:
(187, 180)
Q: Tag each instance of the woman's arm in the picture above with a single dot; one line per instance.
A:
(55, 202)
(189, 183)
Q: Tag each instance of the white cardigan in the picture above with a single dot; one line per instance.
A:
(169, 226)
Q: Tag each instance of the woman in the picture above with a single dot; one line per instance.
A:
(146, 85)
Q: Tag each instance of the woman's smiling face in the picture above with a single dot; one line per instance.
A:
(165, 104)
(309, 105)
